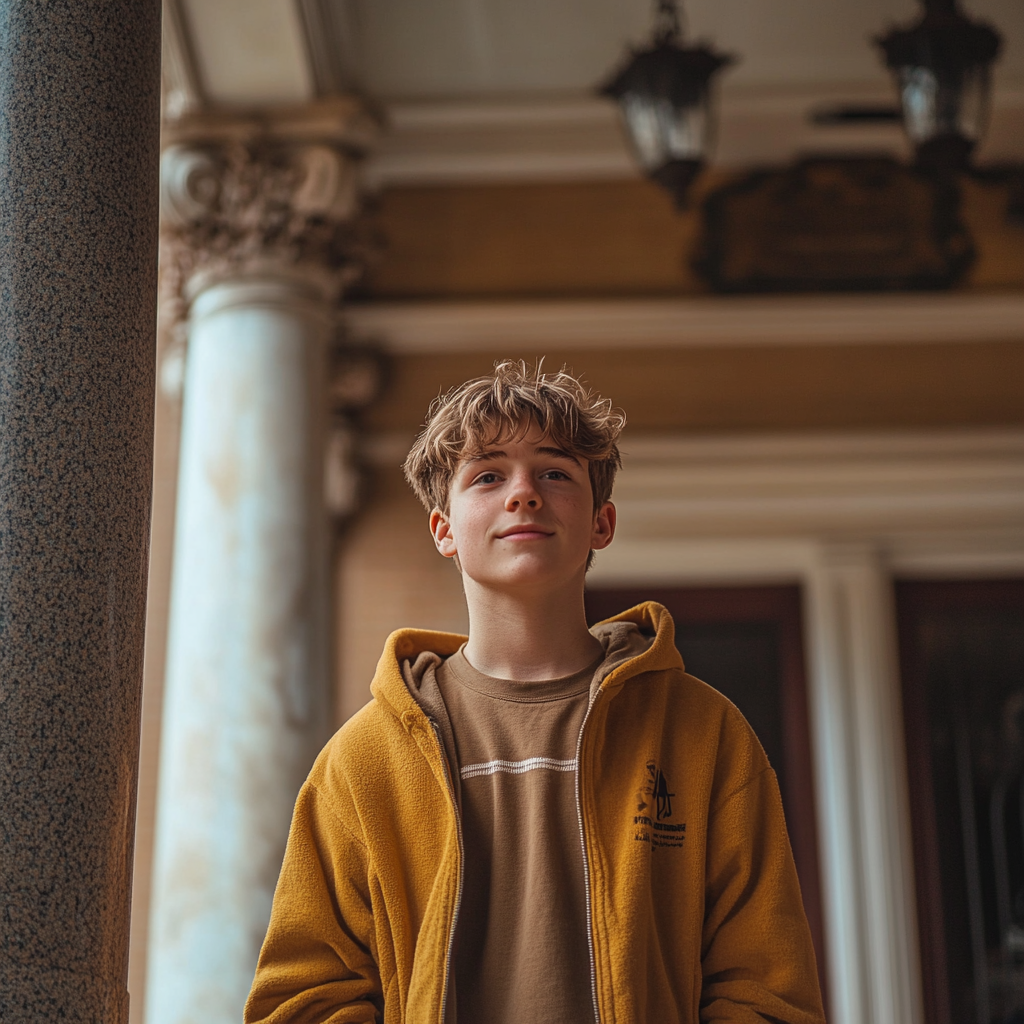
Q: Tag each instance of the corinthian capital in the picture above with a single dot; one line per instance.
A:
(270, 194)
(257, 207)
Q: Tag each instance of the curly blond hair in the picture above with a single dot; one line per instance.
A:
(503, 406)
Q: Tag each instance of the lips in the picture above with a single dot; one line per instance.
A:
(525, 531)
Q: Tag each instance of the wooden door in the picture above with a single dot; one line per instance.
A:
(962, 666)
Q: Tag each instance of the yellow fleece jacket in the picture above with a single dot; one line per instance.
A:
(695, 908)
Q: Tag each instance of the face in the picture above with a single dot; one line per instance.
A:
(522, 515)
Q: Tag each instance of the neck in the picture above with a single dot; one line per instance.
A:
(529, 637)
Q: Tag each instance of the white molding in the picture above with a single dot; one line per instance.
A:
(183, 90)
(486, 141)
(883, 446)
(420, 327)
(876, 485)
(936, 502)
(578, 136)
(752, 561)
(862, 791)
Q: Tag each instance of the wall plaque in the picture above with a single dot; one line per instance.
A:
(834, 224)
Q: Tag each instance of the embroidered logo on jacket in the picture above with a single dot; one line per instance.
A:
(652, 823)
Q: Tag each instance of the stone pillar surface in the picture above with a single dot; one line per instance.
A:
(863, 796)
(246, 703)
(79, 148)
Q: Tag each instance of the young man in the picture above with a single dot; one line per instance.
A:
(540, 823)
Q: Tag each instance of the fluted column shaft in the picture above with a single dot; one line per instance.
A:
(79, 146)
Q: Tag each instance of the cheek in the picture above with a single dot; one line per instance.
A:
(468, 526)
(580, 514)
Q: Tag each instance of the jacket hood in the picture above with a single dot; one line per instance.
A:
(652, 619)
(390, 689)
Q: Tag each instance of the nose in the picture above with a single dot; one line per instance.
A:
(522, 493)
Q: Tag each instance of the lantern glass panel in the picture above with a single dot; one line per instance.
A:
(933, 107)
(662, 131)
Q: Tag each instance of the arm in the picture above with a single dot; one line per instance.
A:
(757, 956)
(317, 965)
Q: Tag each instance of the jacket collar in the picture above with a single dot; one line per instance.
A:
(651, 618)
(390, 690)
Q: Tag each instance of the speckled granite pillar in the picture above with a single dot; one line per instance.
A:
(79, 136)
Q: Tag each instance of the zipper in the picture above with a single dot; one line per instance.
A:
(462, 861)
(586, 864)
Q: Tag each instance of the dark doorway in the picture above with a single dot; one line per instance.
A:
(962, 663)
(747, 642)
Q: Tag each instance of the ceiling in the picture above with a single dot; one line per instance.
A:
(400, 50)
(479, 88)
(459, 48)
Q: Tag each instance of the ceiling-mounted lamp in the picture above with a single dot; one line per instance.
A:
(943, 64)
(664, 93)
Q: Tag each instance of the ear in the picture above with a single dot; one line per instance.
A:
(604, 527)
(441, 531)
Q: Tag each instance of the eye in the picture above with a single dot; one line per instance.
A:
(489, 477)
(557, 474)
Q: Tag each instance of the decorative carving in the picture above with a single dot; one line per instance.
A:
(834, 224)
(233, 209)
(356, 379)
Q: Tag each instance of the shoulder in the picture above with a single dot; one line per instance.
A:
(368, 735)
(360, 757)
(702, 726)
(699, 702)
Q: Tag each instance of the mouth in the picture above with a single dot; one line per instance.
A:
(526, 531)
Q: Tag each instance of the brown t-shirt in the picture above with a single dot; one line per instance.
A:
(521, 952)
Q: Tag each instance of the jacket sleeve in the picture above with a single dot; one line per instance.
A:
(757, 956)
(317, 965)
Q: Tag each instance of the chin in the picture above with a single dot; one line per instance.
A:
(528, 573)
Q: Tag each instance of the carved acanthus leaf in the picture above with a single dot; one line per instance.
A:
(234, 208)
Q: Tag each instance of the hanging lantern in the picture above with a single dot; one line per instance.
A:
(664, 93)
(943, 64)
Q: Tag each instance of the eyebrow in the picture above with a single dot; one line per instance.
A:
(557, 453)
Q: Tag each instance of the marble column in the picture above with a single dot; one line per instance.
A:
(79, 148)
(261, 231)
(863, 796)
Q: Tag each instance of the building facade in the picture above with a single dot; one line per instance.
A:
(330, 263)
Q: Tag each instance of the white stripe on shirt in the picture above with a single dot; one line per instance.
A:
(517, 767)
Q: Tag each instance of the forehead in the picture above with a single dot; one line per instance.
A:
(534, 442)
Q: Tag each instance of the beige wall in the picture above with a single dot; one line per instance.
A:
(388, 575)
(594, 238)
(770, 388)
